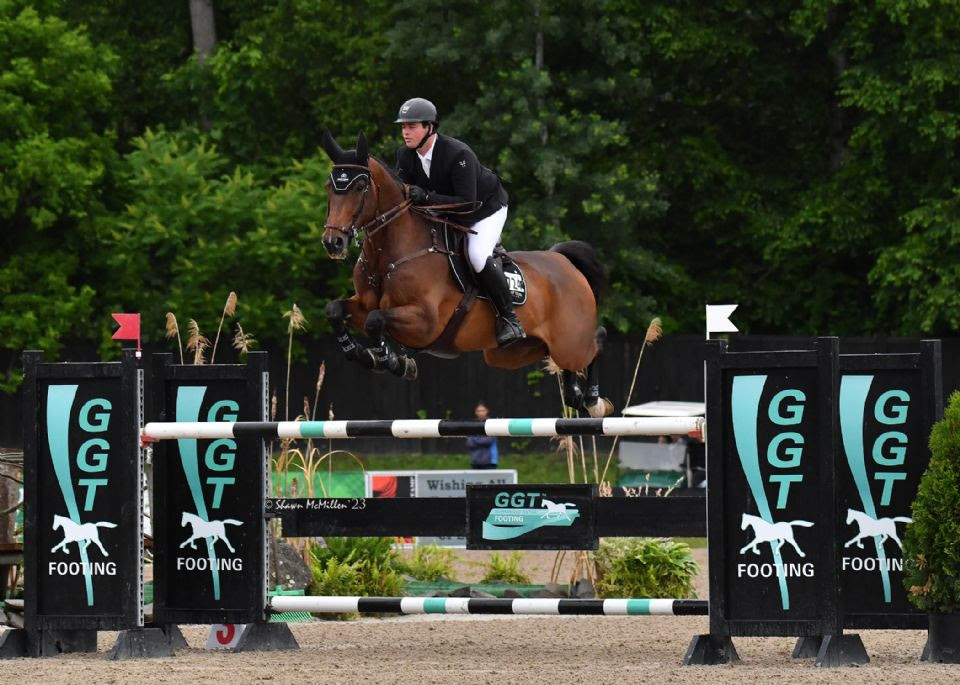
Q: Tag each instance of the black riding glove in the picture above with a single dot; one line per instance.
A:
(419, 195)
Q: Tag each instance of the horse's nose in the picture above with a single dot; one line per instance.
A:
(334, 245)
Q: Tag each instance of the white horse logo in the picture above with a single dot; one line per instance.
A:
(557, 510)
(83, 533)
(871, 527)
(206, 529)
(771, 532)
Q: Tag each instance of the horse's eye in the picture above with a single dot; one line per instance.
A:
(361, 185)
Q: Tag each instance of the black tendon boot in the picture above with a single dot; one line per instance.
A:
(493, 281)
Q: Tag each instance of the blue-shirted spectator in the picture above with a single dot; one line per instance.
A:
(483, 449)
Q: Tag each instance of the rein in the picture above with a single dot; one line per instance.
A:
(380, 221)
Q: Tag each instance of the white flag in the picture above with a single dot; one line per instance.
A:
(718, 319)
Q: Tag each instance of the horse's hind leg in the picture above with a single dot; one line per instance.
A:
(572, 390)
(587, 396)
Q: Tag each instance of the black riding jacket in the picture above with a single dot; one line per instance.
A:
(455, 176)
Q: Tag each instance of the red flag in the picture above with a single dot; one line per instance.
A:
(129, 327)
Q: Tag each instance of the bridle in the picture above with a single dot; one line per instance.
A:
(341, 184)
(379, 221)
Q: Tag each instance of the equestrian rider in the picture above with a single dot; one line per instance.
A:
(442, 170)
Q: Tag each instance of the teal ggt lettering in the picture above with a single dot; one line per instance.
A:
(782, 413)
(225, 406)
(794, 411)
(516, 500)
(223, 410)
(99, 462)
(897, 451)
(891, 410)
(93, 422)
(899, 411)
(795, 453)
(215, 460)
(102, 419)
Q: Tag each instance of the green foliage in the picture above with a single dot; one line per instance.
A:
(195, 227)
(56, 155)
(931, 543)
(361, 567)
(378, 551)
(428, 562)
(795, 157)
(505, 569)
(644, 568)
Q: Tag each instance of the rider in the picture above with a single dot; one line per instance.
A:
(442, 170)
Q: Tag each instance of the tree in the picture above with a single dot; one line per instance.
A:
(56, 153)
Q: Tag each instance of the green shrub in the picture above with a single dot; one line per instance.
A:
(931, 544)
(505, 570)
(377, 550)
(361, 567)
(428, 562)
(645, 568)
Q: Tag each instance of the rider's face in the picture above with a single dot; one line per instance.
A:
(413, 133)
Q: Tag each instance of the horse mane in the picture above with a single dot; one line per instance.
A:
(390, 170)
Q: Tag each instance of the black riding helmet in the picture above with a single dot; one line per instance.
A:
(422, 110)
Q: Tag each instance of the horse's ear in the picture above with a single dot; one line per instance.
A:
(361, 149)
(329, 145)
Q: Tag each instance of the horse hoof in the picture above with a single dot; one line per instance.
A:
(601, 408)
(410, 373)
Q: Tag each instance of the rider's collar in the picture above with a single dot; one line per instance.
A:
(342, 177)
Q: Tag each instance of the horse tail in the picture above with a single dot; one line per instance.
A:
(105, 524)
(233, 522)
(584, 258)
(802, 524)
(903, 519)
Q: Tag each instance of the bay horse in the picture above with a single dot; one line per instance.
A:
(406, 293)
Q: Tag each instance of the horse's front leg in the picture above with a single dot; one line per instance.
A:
(339, 313)
(385, 356)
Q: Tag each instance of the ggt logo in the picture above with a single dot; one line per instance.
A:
(516, 513)
(207, 488)
(91, 461)
(94, 454)
(782, 458)
(888, 454)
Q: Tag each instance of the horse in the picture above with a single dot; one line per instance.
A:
(206, 529)
(871, 527)
(771, 532)
(406, 294)
(79, 532)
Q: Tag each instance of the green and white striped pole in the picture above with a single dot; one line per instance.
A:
(469, 605)
(427, 428)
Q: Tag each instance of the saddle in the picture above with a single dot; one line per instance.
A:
(454, 242)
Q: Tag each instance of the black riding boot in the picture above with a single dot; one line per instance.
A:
(493, 281)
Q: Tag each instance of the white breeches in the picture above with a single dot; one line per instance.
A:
(480, 246)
